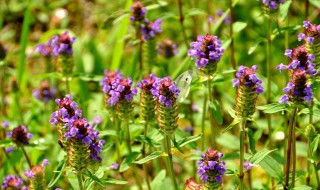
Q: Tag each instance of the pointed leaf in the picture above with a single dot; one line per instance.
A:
(259, 156)
(284, 9)
(314, 144)
(152, 156)
(158, 180)
(58, 172)
(272, 167)
(238, 26)
(103, 182)
(252, 141)
(176, 144)
(216, 111)
(273, 108)
(188, 140)
(128, 161)
(234, 122)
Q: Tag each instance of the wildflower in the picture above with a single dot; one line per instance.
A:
(10, 149)
(62, 44)
(247, 165)
(273, 5)
(195, 108)
(114, 166)
(167, 49)
(191, 184)
(151, 29)
(248, 88)
(13, 182)
(189, 129)
(297, 90)
(147, 101)
(211, 168)
(207, 51)
(45, 93)
(98, 120)
(300, 59)
(20, 135)
(45, 49)
(217, 16)
(166, 93)
(4, 124)
(37, 176)
(138, 12)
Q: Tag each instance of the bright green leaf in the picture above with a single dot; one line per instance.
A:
(238, 26)
(57, 172)
(158, 180)
(284, 9)
(273, 108)
(152, 156)
(272, 167)
(216, 111)
(259, 156)
(234, 122)
(128, 161)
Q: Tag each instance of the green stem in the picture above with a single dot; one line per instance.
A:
(145, 169)
(17, 100)
(289, 147)
(169, 161)
(26, 156)
(232, 58)
(204, 113)
(242, 139)
(117, 141)
(80, 183)
(181, 18)
(213, 133)
(269, 79)
(306, 13)
(135, 172)
(310, 156)
(8, 157)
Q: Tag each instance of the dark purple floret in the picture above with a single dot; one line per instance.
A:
(110, 76)
(206, 49)
(273, 4)
(211, 168)
(120, 89)
(45, 49)
(13, 182)
(62, 44)
(20, 135)
(247, 77)
(312, 31)
(165, 91)
(138, 12)
(168, 49)
(150, 29)
(45, 93)
(147, 83)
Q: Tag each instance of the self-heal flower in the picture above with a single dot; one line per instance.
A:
(191, 184)
(36, 176)
(211, 168)
(247, 165)
(13, 182)
(217, 16)
(207, 51)
(4, 124)
(273, 5)
(20, 135)
(62, 44)
(45, 49)
(248, 88)
(151, 29)
(114, 166)
(167, 49)
(45, 93)
(138, 12)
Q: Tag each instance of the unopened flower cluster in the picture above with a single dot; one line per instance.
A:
(205, 50)
(218, 15)
(45, 93)
(168, 49)
(20, 135)
(247, 77)
(211, 168)
(61, 44)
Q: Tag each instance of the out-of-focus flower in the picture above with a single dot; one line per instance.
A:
(195, 108)
(4, 124)
(211, 168)
(98, 120)
(114, 166)
(13, 182)
(189, 129)
(62, 44)
(191, 184)
(247, 165)
(150, 29)
(218, 15)
(45, 93)
(167, 49)
(273, 5)
(20, 135)
(138, 12)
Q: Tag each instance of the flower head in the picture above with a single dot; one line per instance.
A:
(62, 44)
(311, 31)
(165, 91)
(45, 93)
(138, 12)
(150, 29)
(191, 184)
(247, 77)
(217, 16)
(167, 49)
(147, 83)
(13, 182)
(4, 124)
(45, 49)
(114, 166)
(206, 50)
(121, 90)
(211, 168)
(247, 165)
(272, 4)
(20, 135)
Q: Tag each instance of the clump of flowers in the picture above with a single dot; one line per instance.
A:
(207, 51)
(138, 12)
(297, 90)
(211, 168)
(218, 15)
(166, 93)
(191, 184)
(151, 29)
(45, 49)
(37, 176)
(13, 182)
(147, 101)
(300, 59)
(272, 5)
(20, 135)
(62, 44)
(248, 88)
(45, 93)
(167, 49)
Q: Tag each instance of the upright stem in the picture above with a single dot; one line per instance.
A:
(182, 25)
(232, 58)
(310, 123)
(26, 156)
(306, 13)
(117, 142)
(204, 113)
(3, 106)
(139, 36)
(145, 169)
(269, 79)
(242, 139)
(169, 160)
(8, 157)
(289, 148)
(213, 140)
(135, 172)
(17, 101)
(80, 183)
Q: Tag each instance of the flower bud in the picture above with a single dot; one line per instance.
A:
(37, 176)
(151, 29)
(271, 6)
(191, 184)
(138, 12)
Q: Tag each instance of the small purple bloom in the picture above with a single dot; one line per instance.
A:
(247, 165)
(114, 166)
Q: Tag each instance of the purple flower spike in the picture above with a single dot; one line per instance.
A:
(165, 91)
(12, 182)
(138, 12)
(62, 44)
(246, 76)
(150, 29)
(45, 93)
(273, 4)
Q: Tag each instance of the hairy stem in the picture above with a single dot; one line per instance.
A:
(242, 139)
(80, 182)
(306, 13)
(289, 147)
(26, 156)
(145, 169)
(269, 79)
(169, 161)
(213, 133)
(117, 141)
(204, 113)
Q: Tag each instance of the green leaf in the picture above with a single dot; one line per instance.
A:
(230, 172)
(188, 140)
(151, 142)
(284, 9)
(72, 178)
(58, 172)
(103, 182)
(4, 143)
(259, 156)
(128, 161)
(273, 108)
(315, 3)
(252, 141)
(194, 12)
(152, 156)
(234, 122)
(314, 144)
(156, 6)
(229, 141)
(158, 180)
(238, 26)
(254, 47)
(216, 111)
(108, 133)
(315, 112)
(177, 145)
(303, 187)
(221, 19)
(272, 167)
